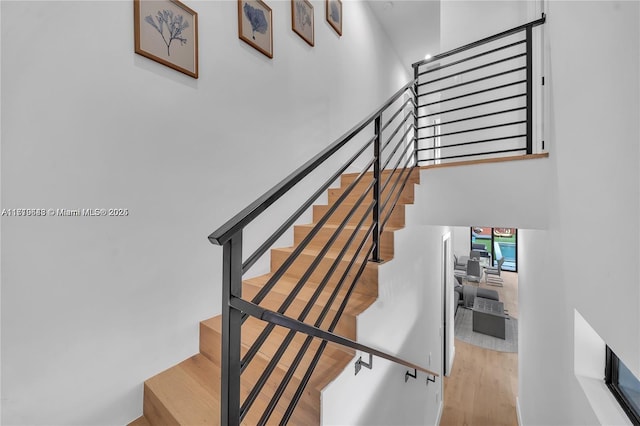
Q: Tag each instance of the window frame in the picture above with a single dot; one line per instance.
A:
(611, 379)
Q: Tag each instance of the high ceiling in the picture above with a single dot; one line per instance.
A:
(412, 25)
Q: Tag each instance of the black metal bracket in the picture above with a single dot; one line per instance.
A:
(429, 379)
(407, 374)
(360, 363)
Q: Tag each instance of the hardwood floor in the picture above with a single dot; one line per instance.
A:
(483, 384)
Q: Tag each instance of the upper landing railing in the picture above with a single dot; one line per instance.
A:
(476, 101)
(382, 150)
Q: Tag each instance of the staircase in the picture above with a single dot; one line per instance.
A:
(189, 392)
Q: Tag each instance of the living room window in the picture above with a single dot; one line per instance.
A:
(500, 242)
(624, 385)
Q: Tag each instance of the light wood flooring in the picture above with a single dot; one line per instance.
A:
(483, 384)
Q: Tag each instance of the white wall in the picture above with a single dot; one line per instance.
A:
(596, 190)
(508, 194)
(589, 184)
(404, 321)
(91, 307)
(459, 26)
(461, 238)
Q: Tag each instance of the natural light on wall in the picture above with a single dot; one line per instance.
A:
(589, 361)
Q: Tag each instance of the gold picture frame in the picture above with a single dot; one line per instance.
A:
(334, 14)
(302, 20)
(255, 25)
(166, 31)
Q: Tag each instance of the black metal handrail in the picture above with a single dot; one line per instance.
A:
(388, 143)
(224, 233)
(482, 41)
(507, 70)
(299, 326)
(358, 216)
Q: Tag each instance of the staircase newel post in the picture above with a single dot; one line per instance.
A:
(231, 324)
(415, 115)
(529, 90)
(376, 190)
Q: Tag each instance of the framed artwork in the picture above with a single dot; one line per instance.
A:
(302, 20)
(255, 25)
(334, 14)
(167, 32)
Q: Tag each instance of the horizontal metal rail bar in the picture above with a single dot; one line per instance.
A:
(295, 325)
(477, 129)
(396, 130)
(488, 77)
(473, 155)
(253, 210)
(453, 145)
(438, 68)
(302, 351)
(473, 117)
(502, 86)
(482, 41)
(303, 280)
(395, 202)
(303, 244)
(479, 67)
(393, 188)
(395, 168)
(384, 127)
(323, 344)
(251, 260)
(398, 144)
(506, 98)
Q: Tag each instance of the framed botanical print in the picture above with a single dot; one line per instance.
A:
(255, 25)
(334, 15)
(302, 20)
(166, 31)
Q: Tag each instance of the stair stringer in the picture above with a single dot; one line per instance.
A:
(405, 321)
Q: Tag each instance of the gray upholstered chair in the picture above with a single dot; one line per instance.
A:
(474, 271)
(475, 254)
(460, 262)
(493, 274)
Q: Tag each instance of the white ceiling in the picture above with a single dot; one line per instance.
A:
(412, 25)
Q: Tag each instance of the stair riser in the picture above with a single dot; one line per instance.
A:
(346, 179)
(210, 347)
(321, 238)
(155, 411)
(396, 219)
(368, 281)
(210, 340)
(407, 196)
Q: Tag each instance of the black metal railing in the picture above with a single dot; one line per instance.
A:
(382, 150)
(299, 306)
(476, 101)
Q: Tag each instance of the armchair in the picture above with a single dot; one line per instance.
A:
(493, 274)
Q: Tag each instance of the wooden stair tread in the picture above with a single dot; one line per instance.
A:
(349, 227)
(140, 421)
(357, 302)
(333, 360)
(189, 392)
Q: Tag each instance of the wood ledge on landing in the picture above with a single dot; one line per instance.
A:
(189, 392)
(487, 160)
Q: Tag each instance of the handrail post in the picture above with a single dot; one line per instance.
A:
(231, 324)
(415, 115)
(377, 125)
(529, 90)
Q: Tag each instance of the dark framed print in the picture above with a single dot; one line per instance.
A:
(334, 15)
(255, 25)
(302, 22)
(166, 31)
